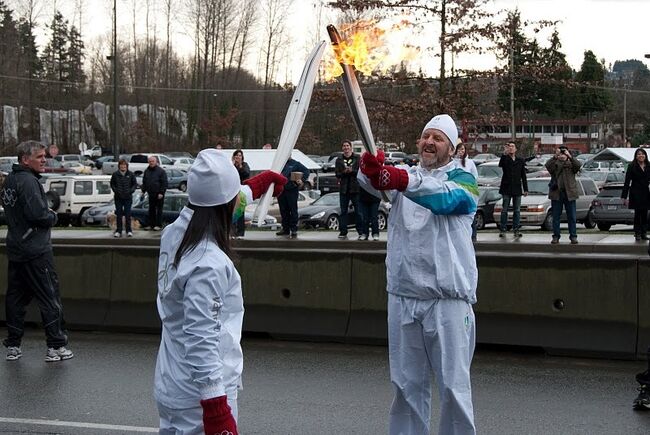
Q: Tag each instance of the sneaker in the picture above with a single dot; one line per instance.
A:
(282, 233)
(14, 353)
(362, 237)
(59, 354)
(555, 240)
(517, 235)
(117, 235)
(642, 402)
(375, 237)
(156, 228)
(293, 235)
(574, 240)
(502, 234)
(637, 237)
(129, 234)
(343, 236)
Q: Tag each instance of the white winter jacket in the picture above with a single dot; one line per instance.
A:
(430, 252)
(201, 307)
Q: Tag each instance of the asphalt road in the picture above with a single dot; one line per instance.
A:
(310, 388)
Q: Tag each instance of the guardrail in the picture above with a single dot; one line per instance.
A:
(590, 299)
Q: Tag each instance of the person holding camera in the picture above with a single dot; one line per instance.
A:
(563, 191)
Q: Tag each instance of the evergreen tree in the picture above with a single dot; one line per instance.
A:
(75, 57)
(56, 64)
(592, 97)
(554, 97)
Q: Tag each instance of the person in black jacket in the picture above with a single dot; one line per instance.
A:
(513, 185)
(31, 273)
(297, 174)
(637, 178)
(346, 168)
(123, 184)
(244, 173)
(154, 182)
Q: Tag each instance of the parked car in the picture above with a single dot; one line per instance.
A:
(411, 159)
(100, 161)
(138, 163)
(325, 212)
(479, 159)
(179, 154)
(71, 195)
(488, 197)
(54, 166)
(536, 207)
(394, 157)
(176, 179)
(305, 198)
(604, 165)
(77, 168)
(183, 163)
(584, 157)
(328, 166)
(603, 177)
(98, 215)
(62, 158)
(610, 209)
(489, 174)
(328, 183)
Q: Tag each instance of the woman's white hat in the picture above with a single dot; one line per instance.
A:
(212, 179)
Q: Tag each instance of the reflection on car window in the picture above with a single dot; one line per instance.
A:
(103, 187)
(59, 187)
(83, 187)
(610, 193)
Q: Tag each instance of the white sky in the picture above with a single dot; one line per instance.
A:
(612, 29)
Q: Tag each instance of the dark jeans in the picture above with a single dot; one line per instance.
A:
(516, 212)
(368, 212)
(570, 207)
(640, 220)
(344, 201)
(240, 227)
(123, 210)
(155, 210)
(28, 280)
(288, 202)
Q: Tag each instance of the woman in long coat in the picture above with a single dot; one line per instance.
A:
(637, 179)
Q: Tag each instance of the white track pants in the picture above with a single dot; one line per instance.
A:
(186, 421)
(424, 337)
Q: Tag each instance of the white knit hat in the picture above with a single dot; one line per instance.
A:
(445, 124)
(212, 180)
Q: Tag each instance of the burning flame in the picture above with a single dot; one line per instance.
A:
(371, 47)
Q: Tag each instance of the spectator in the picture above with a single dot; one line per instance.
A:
(244, 172)
(563, 191)
(297, 174)
(31, 272)
(513, 184)
(432, 276)
(468, 165)
(368, 214)
(154, 183)
(346, 168)
(123, 184)
(199, 364)
(642, 401)
(637, 178)
(267, 146)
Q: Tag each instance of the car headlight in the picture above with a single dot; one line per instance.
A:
(318, 215)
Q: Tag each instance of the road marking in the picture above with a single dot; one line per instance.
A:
(79, 424)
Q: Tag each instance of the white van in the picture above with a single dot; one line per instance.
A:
(71, 195)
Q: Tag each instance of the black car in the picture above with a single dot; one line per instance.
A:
(325, 212)
(488, 197)
(172, 206)
(328, 183)
(411, 159)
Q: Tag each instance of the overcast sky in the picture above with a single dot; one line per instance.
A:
(612, 29)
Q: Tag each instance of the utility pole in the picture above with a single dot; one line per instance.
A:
(513, 133)
(625, 116)
(116, 109)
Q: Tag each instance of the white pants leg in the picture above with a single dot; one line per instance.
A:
(188, 421)
(425, 337)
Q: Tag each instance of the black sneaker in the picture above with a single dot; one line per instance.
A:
(502, 234)
(574, 240)
(282, 233)
(343, 236)
(517, 234)
(642, 402)
(293, 235)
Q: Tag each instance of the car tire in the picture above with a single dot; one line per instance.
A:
(53, 200)
(547, 225)
(332, 222)
(589, 220)
(182, 186)
(479, 220)
(382, 221)
(603, 227)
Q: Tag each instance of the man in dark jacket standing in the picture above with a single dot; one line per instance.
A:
(154, 182)
(123, 184)
(31, 272)
(297, 174)
(513, 185)
(346, 168)
(563, 191)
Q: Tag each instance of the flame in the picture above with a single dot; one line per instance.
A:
(371, 47)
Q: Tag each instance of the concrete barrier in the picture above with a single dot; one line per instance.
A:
(568, 300)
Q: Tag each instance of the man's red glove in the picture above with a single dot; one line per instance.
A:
(383, 177)
(217, 417)
(259, 184)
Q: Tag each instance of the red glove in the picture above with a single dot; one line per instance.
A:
(383, 177)
(217, 418)
(259, 184)
(371, 165)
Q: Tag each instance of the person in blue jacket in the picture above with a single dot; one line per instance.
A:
(288, 200)
(200, 303)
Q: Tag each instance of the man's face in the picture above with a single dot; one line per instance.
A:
(434, 148)
(153, 162)
(36, 161)
(510, 149)
(562, 154)
(347, 149)
(123, 167)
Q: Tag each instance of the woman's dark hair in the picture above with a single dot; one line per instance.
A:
(208, 223)
(643, 151)
(123, 161)
(462, 161)
(238, 152)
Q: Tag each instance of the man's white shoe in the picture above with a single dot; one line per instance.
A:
(117, 235)
(14, 353)
(59, 354)
(129, 234)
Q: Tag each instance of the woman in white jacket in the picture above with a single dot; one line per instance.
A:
(200, 301)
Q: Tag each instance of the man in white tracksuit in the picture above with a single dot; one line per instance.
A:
(432, 278)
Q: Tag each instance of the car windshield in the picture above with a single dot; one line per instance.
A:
(610, 192)
(489, 171)
(597, 176)
(538, 187)
(327, 200)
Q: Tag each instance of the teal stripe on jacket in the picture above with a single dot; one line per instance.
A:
(457, 200)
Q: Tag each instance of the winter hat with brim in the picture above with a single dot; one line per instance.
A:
(212, 179)
(445, 124)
